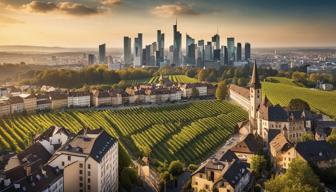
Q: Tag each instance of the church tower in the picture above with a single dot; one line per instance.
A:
(255, 97)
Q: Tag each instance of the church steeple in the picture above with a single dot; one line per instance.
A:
(255, 82)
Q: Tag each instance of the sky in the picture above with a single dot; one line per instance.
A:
(87, 23)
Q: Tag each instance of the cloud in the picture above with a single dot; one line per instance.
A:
(169, 10)
(77, 9)
(39, 6)
(110, 3)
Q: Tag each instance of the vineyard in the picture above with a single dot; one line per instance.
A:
(320, 101)
(175, 79)
(187, 132)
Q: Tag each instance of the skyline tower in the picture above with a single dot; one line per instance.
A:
(216, 41)
(127, 51)
(190, 50)
(138, 50)
(177, 59)
(160, 47)
(102, 53)
(231, 50)
(201, 55)
(239, 52)
(247, 51)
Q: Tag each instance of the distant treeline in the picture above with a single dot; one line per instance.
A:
(18, 72)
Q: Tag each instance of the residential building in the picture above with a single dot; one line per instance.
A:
(3, 91)
(240, 95)
(16, 104)
(79, 99)
(58, 101)
(226, 173)
(101, 98)
(43, 103)
(5, 108)
(326, 86)
(246, 149)
(89, 162)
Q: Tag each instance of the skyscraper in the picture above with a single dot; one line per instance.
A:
(127, 51)
(177, 46)
(226, 56)
(201, 55)
(91, 59)
(102, 53)
(239, 52)
(138, 50)
(231, 50)
(160, 43)
(208, 53)
(216, 41)
(190, 50)
(247, 51)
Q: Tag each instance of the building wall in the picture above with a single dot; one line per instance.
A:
(81, 101)
(72, 177)
(102, 101)
(116, 100)
(202, 91)
(5, 110)
(242, 101)
(56, 186)
(17, 108)
(30, 104)
(59, 104)
(200, 182)
(44, 106)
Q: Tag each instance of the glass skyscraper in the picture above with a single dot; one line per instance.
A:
(177, 59)
(102, 54)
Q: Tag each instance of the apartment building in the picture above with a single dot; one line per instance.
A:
(101, 98)
(16, 104)
(30, 102)
(58, 101)
(89, 162)
(79, 99)
(4, 108)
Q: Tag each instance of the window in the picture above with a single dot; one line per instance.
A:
(80, 184)
(81, 165)
(89, 187)
(89, 180)
(69, 158)
(80, 178)
(80, 171)
(89, 166)
(89, 173)
(62, 163)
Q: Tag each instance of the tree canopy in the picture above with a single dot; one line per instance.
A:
(300, 177)
(298, 105)
(221, 91)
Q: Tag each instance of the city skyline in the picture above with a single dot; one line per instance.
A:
(86, 23)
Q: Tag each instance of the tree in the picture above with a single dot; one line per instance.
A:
(202, 75)
(175, 168)
(128, 177)
(298, 105)
(298, 76)
(192, 167)
(307, 136)
(221, 91)
(258, 164)
(299, 177)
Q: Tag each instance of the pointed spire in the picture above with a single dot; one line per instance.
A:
(255, 82)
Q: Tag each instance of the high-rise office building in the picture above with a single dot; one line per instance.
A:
(91, 59)
(226, 56)
(102, 54)
(239, 52)
(190, 50)
(217, 54)
(247, 51)
(200, 58)
(231, 50)
(208, 53)
(138, 50)
(216, 41)
(160, 43)
(177, 56)
(127, 51)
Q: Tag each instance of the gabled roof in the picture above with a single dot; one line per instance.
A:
(235, 172)
(280, 143)
(240, 90)
(15, 100)
(52, 131)
(248, 145)
(313, 151)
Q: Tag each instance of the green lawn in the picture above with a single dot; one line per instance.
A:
(282, 92)
(284, 80)
(188, 132)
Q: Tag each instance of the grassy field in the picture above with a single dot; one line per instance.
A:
(284, 80)
(187, 132)
(282, 92)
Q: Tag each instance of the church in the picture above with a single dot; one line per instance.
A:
(265, 119)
